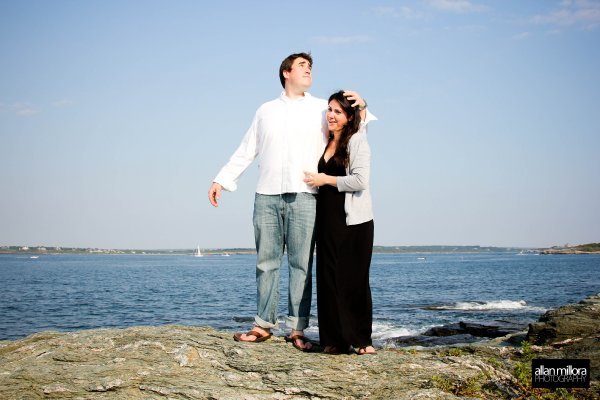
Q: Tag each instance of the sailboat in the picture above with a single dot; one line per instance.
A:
(198, 253)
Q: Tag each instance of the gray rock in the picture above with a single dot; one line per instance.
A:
(571, 331)
(176, 362)
(460, 333)
(489, 330)
(430, 341)
(573, 320)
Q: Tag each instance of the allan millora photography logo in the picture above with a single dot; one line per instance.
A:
(560, 373)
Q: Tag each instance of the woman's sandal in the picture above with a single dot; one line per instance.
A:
(362, 351)
(260, 336)
(331, 350)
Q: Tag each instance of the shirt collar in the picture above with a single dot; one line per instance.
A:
(286, 99)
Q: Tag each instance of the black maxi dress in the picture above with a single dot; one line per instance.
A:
(344, 305)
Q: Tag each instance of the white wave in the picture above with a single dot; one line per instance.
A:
(486, 305)
(382, 331)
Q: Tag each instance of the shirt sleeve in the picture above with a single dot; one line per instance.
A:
(369, 117)
(240, 160)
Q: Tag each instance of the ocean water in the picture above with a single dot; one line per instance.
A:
(411, 292)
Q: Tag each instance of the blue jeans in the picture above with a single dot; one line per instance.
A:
(280, 221)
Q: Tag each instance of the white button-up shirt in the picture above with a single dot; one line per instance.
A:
(288, 137)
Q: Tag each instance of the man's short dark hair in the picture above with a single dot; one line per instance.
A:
(286, 65)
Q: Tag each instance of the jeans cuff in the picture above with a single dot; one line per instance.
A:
(297, 323)
(264, 324)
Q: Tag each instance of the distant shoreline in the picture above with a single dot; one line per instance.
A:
(38, 250)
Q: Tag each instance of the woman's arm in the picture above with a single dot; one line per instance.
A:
(359, 169)
(318, 180)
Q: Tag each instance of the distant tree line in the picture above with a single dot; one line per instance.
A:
(591, 247)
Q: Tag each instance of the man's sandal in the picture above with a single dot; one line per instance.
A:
(304, 339)
(260, 337)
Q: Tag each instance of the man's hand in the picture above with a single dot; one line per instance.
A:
(355, 98)
(214, 193)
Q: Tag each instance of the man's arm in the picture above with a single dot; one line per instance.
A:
(240, 160)
(357, 101)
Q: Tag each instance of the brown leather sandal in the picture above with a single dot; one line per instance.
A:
(332, 350)
(304, 339)
(260, 337)
(362, 351)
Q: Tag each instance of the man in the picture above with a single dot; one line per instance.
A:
(288, 136)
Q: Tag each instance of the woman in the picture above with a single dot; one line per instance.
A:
(344, 232)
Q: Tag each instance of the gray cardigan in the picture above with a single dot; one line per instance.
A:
(356, 182)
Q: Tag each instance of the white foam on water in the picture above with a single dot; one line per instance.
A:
(493, 305)
(489, 305)
(382, 331)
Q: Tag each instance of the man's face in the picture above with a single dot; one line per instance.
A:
(300, 75)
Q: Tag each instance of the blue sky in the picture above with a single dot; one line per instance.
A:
(116, 115)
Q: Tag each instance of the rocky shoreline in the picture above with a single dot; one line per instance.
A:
(465, 332)
(566, 251)
(179, 362)
(590, 248)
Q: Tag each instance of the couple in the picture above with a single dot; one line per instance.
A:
(292, 141)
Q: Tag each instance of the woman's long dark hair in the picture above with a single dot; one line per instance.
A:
(342, 156)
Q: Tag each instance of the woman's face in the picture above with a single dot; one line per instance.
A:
(336, 117)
